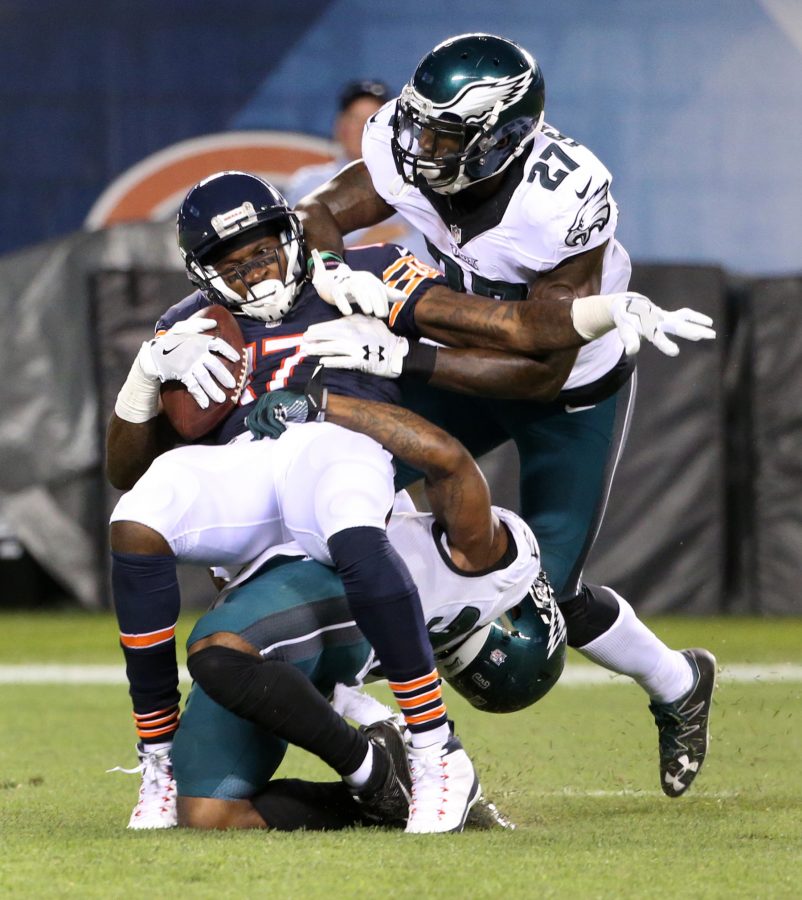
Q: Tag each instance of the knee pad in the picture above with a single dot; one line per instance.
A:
(588, 615)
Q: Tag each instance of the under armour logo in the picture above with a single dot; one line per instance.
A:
(676, 780)
(379, 353)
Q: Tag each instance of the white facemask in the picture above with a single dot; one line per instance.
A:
(269, 300)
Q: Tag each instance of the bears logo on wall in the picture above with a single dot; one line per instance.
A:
(153, 188)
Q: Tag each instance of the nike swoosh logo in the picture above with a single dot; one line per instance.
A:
(581, 194)
(165, 352)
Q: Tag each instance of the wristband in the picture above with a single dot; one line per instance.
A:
(138, 400)
(327, 256)
(592, 316)
(420, 361)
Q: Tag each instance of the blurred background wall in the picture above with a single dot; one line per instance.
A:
(694, 106)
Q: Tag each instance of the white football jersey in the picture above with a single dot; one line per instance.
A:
(561, 206)
(445, 591)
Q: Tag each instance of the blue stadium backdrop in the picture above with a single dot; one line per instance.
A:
(694, 104)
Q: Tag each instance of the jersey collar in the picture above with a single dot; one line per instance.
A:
(465, 221)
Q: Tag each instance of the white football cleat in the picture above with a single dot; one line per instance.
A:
(444, 788)
(156, 807)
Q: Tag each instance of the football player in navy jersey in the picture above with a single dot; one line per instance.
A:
(225, 500)
(522, 215)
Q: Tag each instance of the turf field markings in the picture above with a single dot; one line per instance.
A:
(634, 792)
(52, 673)
(573, 676)
(740, 673)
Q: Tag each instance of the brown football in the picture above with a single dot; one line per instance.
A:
(188, 419)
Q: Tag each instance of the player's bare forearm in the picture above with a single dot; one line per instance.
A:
(521, 327)
(131, 448)
(539, 324)
(345, 203)
(491, 373)
(455, 487)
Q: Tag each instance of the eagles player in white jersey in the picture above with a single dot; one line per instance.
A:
(266, 659)
(516, 212)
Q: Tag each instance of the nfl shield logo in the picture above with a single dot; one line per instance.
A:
(456, 233)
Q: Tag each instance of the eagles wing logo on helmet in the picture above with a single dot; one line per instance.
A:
(474, 103)
(542, 594)
(593, 214)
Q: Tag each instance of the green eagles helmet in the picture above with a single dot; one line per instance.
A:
(503, 669)
(472, 106)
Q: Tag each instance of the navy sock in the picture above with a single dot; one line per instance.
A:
(147, 603)
(386, 606)
(384, 601)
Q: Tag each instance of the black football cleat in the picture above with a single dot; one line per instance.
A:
(683, 726)
(384, 800)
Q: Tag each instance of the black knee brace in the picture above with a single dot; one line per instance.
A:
(588, 615)
(288, 804)
(282, 700)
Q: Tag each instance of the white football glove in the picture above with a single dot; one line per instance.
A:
(360, 343)
(184, 353)
(636, 317)
(343, 286)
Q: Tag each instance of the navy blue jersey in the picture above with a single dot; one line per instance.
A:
(274, 357)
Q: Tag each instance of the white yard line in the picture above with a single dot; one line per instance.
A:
(54, 673)
(573, 676)
(633, 792)
(741, 673)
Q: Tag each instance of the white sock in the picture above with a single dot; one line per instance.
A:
(359, 778)
(629, 648)
(152, 748)
(353, 703)
(436, 736)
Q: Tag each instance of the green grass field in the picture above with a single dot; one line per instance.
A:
(577, 773)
